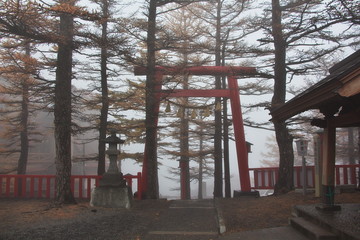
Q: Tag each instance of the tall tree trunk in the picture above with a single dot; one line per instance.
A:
(184, 158)
(226, 147)
(24, 116)
(104, 90)
(62, 109)
(218, 178)
(225, 130)
(152, 188)
(201, 163)
(283, 138)
(184, 133)
(24, 137)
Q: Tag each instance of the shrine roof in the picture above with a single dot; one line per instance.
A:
(338, 91)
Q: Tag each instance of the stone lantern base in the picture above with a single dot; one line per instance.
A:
(113, 197)
(112, 192)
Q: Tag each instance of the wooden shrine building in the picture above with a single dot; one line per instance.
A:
(337, 97)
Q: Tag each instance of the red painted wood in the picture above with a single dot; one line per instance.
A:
(200, 70)
(32, 187)
(16, 189)
(23, 186)
(233, 93)
(7, 187)
(270, 179)
(39, 187)
(345, 176)
(337, 175)
(258, 173)
(196, 93)
(81, 187)
(45, 182)
(48, 186)
(241, 148)
(263, 183)
(353, 176)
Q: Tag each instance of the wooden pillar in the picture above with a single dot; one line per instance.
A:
(328, 170)
(241, 148)
(318, 143)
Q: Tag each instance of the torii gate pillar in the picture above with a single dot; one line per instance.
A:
(232, 93)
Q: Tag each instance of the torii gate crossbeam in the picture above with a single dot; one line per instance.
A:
(232, 93)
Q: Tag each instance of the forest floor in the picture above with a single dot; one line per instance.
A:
(39, 219)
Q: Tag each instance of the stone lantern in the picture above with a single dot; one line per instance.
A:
(113, 177)
(112, 190)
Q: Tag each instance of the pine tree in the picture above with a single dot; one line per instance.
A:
(19, 91)
(300, 32)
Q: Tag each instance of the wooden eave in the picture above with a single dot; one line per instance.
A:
(340, 89)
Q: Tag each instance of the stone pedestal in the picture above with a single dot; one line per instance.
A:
(112, 180)
(114, 197)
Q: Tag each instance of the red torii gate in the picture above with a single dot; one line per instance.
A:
(232, 73)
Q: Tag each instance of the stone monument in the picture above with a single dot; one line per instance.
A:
(112, 190)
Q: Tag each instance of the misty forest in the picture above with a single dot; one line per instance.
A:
(67, 78)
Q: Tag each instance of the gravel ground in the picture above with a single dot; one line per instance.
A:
(38, 220)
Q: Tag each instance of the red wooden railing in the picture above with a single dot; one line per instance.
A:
(43, 186)
(265, 178)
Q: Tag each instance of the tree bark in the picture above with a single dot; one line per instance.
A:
(226, 149)
(152, 188)
(201, 163)
(218, 178)
(24, 120)
(225, 130)
(184, 158)
(283, 138)
(184, 143)
(24, 116)
(62, 109)
(104, 90)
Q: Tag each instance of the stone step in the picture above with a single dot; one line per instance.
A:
(311, 230)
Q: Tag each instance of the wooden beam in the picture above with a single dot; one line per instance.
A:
(200, 70)
(196, 93)
(351, 119)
